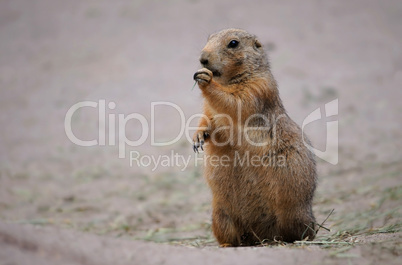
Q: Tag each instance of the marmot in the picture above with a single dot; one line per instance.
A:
(261, 174)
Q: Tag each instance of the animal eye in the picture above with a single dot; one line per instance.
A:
(233, 44)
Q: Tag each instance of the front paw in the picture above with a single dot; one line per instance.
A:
(199, 140)
(203, 76)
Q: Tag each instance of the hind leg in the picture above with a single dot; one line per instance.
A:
(224, 229)
(299, 227)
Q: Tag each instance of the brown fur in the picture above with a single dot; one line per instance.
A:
(251, 202)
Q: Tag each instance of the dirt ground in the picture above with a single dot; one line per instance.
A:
(61, 203)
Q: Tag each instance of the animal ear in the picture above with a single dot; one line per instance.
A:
(257, 44)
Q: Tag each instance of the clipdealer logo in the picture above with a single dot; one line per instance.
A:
(330, 154)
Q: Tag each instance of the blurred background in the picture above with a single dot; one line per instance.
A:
(54, 54)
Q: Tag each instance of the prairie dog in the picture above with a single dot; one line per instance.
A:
(261, 174)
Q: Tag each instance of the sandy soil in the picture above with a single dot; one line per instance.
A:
(61, 203)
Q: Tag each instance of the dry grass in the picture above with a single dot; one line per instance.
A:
(175, 209)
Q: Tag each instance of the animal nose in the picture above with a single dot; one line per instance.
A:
(204, 59)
